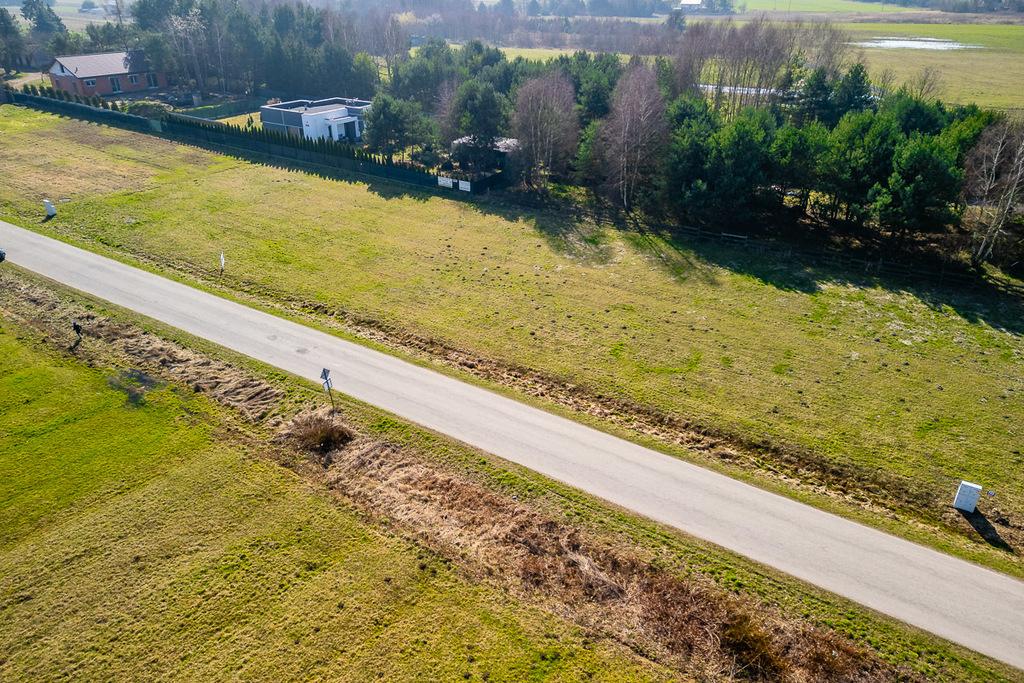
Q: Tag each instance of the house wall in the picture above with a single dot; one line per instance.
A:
(103, 85)
(315, 126)
(281, 120)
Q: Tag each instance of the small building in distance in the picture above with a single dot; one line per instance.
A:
(105, 74)
(467, 149)
(336, 118)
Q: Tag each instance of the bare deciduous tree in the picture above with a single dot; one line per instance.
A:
(546, 124)
(187, 35)
(995, 184)
(634, 134)
(749, 64)
(926, 84)
(385, 37)
(885, 80)
(444, 110)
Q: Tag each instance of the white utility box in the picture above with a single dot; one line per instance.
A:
(967, 496)
(51, 210)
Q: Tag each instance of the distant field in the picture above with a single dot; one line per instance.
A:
(919, 382)
(535, 53)
(823, 6)
(67, 10)
(990, 76)
(137, 542)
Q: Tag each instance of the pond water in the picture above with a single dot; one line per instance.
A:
(904, 43)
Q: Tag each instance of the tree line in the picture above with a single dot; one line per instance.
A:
(231, 46)
(814, 142)
(733, 124)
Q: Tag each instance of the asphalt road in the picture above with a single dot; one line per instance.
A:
(965, 603)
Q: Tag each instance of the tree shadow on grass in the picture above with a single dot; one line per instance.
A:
(788, 264)
(974, 297)
(784, 264)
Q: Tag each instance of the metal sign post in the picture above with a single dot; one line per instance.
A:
(328, 385)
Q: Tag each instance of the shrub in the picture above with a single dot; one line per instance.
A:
(319, 434)
(151, 109)
(753, 647)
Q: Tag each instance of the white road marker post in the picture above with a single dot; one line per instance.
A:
(967, 495)
(325, 375)
(222, 263)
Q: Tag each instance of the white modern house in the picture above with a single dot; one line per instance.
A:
(337, 118)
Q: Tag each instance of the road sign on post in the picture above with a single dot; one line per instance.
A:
(325, 375)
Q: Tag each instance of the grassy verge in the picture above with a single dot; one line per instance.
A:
(214, 529)
(141, 538)
(923, 384)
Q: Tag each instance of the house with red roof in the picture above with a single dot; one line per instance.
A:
(105, 74)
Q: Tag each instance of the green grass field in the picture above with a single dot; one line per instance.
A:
(535, 53)
(171, 461)
(67, 10)
(137, 542)
(823, 6)
(992, 76)
(923, 383)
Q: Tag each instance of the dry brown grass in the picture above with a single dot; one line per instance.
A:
(43, 309)
(616, 591)
(607, 587)
(319, 433)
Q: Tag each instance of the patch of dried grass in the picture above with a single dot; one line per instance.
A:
(318, 432)
(687, 622)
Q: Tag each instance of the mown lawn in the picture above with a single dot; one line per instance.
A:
(920, 381)
(243, 119)
(137, 542)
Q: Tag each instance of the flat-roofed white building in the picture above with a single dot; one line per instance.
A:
(336, 118)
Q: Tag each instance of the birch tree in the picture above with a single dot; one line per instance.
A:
(995, 183)
(634, 134)
(547, 126)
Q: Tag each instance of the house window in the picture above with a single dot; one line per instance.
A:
(133, 79)
(90, 82)
(115, 84)
(151, 80)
